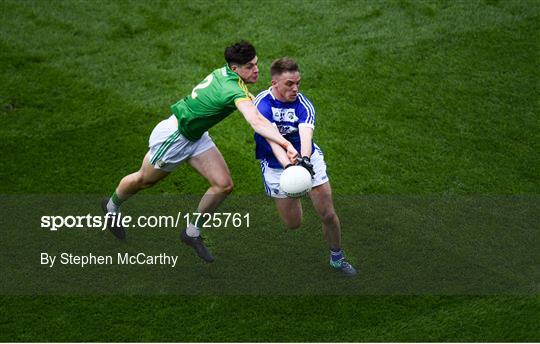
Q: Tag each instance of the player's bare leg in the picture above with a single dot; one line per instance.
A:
(290, 211)
(145, 177)
(321, 196)
(213, 167)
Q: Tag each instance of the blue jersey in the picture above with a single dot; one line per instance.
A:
(287, 117)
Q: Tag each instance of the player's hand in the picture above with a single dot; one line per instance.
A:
(292, 153)
(306, 163)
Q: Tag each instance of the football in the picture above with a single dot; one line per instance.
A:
(295, 181)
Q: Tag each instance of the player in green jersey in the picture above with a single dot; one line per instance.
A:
(184, 137)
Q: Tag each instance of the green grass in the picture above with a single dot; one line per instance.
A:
(322, 318)
(412, 97)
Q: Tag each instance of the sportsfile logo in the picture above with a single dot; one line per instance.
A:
(55, 222)
(205, 220)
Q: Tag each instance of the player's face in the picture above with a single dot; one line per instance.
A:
(249, 72)
(286, 86)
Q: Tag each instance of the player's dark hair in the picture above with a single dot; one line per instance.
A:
(282, 65)
(240, 53)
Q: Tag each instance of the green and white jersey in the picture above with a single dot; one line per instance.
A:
(210, 102)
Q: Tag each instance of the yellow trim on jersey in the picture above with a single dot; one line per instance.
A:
(236, 101)
(243, 86)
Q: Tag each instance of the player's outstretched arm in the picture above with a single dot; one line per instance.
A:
(306, 137)
(280, 153)
(264, 128)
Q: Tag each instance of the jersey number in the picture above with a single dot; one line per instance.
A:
(204, 84)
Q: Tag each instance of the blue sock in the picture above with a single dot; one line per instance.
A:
(336, 256)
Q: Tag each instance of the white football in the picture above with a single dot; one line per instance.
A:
(295, 181)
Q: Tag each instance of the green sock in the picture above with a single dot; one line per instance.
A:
(113, 206)
(116, 200)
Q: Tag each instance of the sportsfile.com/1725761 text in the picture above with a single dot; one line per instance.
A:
(204, 220)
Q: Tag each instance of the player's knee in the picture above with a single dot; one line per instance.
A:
(225, 186)
(148, 183)
(329, 217)
(143, 182)
(293, 223)
(229, 187)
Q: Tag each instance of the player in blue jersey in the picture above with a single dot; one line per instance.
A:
(294, 115)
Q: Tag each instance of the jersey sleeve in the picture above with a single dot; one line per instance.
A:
(263, 105)
(236, 91)
(306, 112)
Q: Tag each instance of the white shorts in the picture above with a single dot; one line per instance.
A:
(169, 148)
(271, 175)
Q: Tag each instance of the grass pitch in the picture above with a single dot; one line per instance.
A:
(412, 97)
